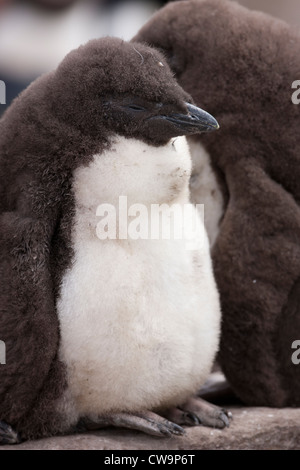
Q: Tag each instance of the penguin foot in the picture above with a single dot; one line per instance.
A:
(8, 435)
(197, 411)
(147, 422)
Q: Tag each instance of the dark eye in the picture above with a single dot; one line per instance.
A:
(135, 107)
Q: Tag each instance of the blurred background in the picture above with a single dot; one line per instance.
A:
(35, 35)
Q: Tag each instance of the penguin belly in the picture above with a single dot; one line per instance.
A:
(139, 319)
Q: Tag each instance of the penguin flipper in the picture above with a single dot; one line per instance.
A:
(28, 322)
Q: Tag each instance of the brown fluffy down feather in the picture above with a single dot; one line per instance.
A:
(240, 66)
(55, 125)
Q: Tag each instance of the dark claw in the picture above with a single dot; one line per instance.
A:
(164, 430)
(8, 435)
(226, 421)
(192, 419)
(168, 428)
(224, 418)
(178, 430)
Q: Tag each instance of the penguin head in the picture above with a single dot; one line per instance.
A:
(110, 86)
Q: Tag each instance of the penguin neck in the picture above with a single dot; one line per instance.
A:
(133, 170)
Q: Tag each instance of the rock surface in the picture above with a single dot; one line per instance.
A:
(251, 429)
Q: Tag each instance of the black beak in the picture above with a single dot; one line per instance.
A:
(196, 121)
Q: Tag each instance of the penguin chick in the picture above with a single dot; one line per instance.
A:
(101, 331)
(241, 65)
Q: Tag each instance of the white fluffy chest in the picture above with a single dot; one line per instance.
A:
(139, 318)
